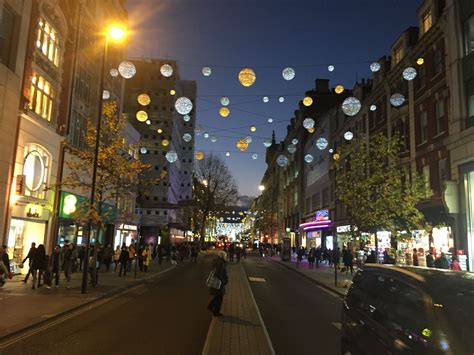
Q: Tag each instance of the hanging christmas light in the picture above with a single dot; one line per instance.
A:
(265, 99)
(187, 137)
(311, 130)
(282, 161)
(307, 101)
(227, 154)
(254, 156)
(148, 122)
(206, 135)
(141, 116)
(339, 89)
(248, 139)
(291, 149)
(224, 111)
(281, 99)
(143, 150)
(270, 120)
(351, 106)
(308, 158)
(144, 99)
(171, 156)
(165, 142)
(253, 129)
(409, 73)
(114, 73)
(206, 71)
(186, 118)
(348, 136)
(199, 155)
(322, 143)
(127, 69)
(213, 139)
(172, 92)
(225, 101)
(247, 77)
(420, 61)
(166, 70)
(183, 105)
(294, 141)
(242, 145)
(159, 130)
(267, 143)
(374, 67)
(105, 94)
(331, 68)
(308, 123)
(397, 99)
(373, 107)
(288, 73)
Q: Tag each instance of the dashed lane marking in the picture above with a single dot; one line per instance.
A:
(257, 279)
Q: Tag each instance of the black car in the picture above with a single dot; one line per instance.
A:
(408, 310)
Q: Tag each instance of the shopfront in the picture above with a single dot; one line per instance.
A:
(125, 233)
(466, 242)
(315, 232)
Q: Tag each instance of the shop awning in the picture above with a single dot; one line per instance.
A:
(315, 225)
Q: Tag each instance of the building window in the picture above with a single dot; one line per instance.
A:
(7, 34)
(423, 127)
(439, 116)
(427, 22)
(438, 61)
(426, 177)
(41, 97)
(47, 41)
(398, 54)
(470, 103)
(469, 35)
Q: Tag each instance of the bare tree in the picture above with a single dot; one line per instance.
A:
(214, 189)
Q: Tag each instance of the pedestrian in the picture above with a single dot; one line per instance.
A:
(348, 259)
(194, 254)
(124, 256)
(117, 257)
(238, 253)
(159, 252)
(80, 254)
(29, 257)
(54, 266)
(131, 257)
(442, 262)
(94, 266)
(147, 257)
(317, 255)
(299, 256)
(415, 257)
(430, 259)
(311, 258)
(100, 256)
(371, 258)
(455, 266)
(220, 272)
(69, 259)
(4, 266)
(38, 265)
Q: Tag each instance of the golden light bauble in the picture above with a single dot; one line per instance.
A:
(420, 61)
(172, 92)
(336, 156)
(144, 99)
(311, 130)
(199, 155)
(253, 129)
(159, 130)
(307, 101)
(242, 145)
(247, 77)
(141, 116)
(165, 142)
(224, 111)
(339, 89)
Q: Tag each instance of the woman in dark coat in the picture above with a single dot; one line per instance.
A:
(220, 271)
(38, 264)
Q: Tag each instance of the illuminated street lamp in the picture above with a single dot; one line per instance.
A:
(114, 33)
(261, 188)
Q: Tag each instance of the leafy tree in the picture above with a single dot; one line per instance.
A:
(376, 188)
(214, 189)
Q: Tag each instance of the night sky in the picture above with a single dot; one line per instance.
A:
(266, 35)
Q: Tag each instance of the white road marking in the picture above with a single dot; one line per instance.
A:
(337, 325)
(256, 279)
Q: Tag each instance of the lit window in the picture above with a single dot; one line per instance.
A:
(41, 97)
(469, 35)
(47, 41)
(398, 54)
(440, 116)
(427, 22)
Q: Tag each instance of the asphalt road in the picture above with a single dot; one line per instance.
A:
(166, 316)
(300, 317)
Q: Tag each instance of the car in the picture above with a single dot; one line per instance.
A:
(392, 309)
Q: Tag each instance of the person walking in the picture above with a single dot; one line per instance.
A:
(4, 266)
(38, 265)
(29, 257)
(147, 258)
(80, 255)
(220, 271)
(131, 257)
(311, 258)
(455, 266)
(430, 261)
(348, 259)
(415, 257)
(159, 252)
(124, 256)
(69, 258)
(194, 254)
(318, 253)
(442, 262)
(55, 263)
(117, 257)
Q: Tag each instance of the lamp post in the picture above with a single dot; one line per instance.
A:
(114, 33)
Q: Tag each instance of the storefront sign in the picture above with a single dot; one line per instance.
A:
(70, 203)
(343, 229)
(33, 211)
(128, 227)
(321, 215)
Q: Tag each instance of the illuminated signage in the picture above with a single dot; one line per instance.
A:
(69, 204)
(321, 215)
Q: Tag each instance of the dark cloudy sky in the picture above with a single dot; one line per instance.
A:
(267, 35)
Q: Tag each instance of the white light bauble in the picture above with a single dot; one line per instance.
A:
(374, 67)
(254, 156)
(322, 143)
(183, 105)
(288, 73)
(206, 71)
(267, 143)
(409, 73)
(206, 135)
(331, 150)
(186, 118)
(270, 120)
(127, 69)
(114, 73)
(281, 99)
(373, 108)
(227, 154)
(105, 94)
(143, 150)
(225, 101)
(348, 136)
(282, 161)
(397, 100)
(213, 139)
(331, 68)
(148, 122)
(308, 158)
(187, 137)
(308, 123)
(166, 70)
(171, 156)
(294, 141)
(291, 149)
(265, 99)
(351, 106)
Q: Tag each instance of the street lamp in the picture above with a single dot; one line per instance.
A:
(115, 33)
(261, 188)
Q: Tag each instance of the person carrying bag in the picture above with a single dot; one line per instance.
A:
(216, 283)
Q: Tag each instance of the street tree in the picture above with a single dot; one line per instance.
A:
(214, 189)
(379, 192)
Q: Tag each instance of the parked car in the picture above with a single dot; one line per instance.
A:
(408, 310)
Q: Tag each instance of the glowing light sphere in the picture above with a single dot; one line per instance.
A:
(114, 73)
(166, 70)
(291, 148)
(373, 107)
(420, 61)
(351, 106)
(265, 99)
(143, 150)
(247, 77)
(282, 161)
(199, 155)
(331, 68)
(397, 100)
(308, 123)
(242, 145)
(254, 156)
(171, 156)
(281, 99)
(225, 101)
(248, 139)
(308, 158)
(267, 143)
(253, 129)
(339, 89)
(183, 105)
(409, 73)
(213, 139)
(159, 130)
(336, 156)
(348, 136)
(311, 130)
(206, 135)
(224, 112)
(148, 122)
(288, 73)
(307, 101)
(165, 142)
(270, 120)
(331, 150)
(141, 116)
(206, 71)
(375, 67)
(105, 94)
(144, 99)
(172, 92)
(294, 141)
(127, 69)
(187, 137)
(186, 118)
(322, 143)
(227, 154)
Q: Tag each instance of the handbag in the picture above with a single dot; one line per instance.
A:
(213, 282)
